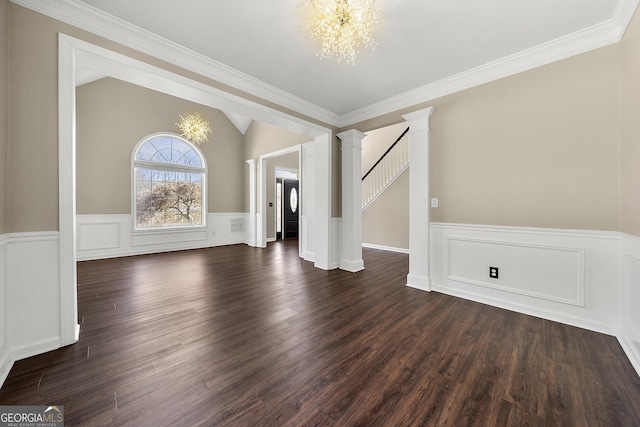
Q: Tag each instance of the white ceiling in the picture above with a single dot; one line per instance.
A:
(421, 43)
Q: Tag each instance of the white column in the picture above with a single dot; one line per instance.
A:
(322, 242)
(418, 276)
(251, 241)
(351, 254)
(307, 206)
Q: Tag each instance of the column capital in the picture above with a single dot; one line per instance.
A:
(419, 120)
(351, 138)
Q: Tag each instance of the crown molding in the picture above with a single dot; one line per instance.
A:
(594, 37)
(95, 21)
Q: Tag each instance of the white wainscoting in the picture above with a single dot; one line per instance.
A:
(33, 293)
(306, 251)
(5, 361)
(108, 236)
(630, 330)
(567, 276)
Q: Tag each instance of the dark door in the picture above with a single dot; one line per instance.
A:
(291, 209)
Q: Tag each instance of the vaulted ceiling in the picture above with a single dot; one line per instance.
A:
(425, 48)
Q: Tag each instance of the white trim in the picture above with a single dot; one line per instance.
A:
(582, 41)
(626, 338)
(594, 289)
(67, 63)
(419, 193)
(95, 241)
(385, 248)
(555, 316)
(105, 25)
(252, 239)
(37, 236)
(97, 22)
(335, 250)
(35, 348)
(262, 189)
(593, 234)
(6, 363)
(580, 266)
(629, 336)
(351, 228)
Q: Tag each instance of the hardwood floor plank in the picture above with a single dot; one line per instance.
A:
(240, 336)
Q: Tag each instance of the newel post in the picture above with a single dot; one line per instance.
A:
(419, 197)
(351, 254)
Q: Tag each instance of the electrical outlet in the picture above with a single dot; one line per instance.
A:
(493, 272)
(434, 202)
(213, 233)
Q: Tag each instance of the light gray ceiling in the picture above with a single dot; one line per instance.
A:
(419, 41)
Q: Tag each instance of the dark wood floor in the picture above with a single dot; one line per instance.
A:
(243, 336)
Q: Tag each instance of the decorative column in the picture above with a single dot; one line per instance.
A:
(252, 202)
(418, 276)
(351, 254)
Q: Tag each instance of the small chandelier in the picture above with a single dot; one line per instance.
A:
(194, 128)
(342, 26)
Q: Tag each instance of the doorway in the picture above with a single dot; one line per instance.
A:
(287, 199)
(287, 208)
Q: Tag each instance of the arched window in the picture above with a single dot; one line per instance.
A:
(169, 176)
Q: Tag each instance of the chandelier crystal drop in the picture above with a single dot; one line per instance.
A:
(343, 26)
(194, 128)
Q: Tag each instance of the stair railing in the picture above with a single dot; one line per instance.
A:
(385, 170)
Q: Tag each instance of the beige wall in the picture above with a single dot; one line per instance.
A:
(262, 138)
(630, 130)
(377, 142)
(4, 112)
(552, 131)
(386, 221)
(113, 116)
(32, 199)
(536, 149)
(33, 123)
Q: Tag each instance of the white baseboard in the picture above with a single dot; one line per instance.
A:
(351, 265)
(33, 349)
(385, 248)
(629, 340)
(6, 363)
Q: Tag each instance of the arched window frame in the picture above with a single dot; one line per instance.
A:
(168, 167)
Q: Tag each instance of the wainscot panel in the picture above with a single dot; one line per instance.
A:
(33, 294)
(110, 236)
(630, 332)
(546, 272)
(569, 276)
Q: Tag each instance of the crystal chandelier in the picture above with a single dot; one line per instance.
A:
(194, 128)
(342, 26)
